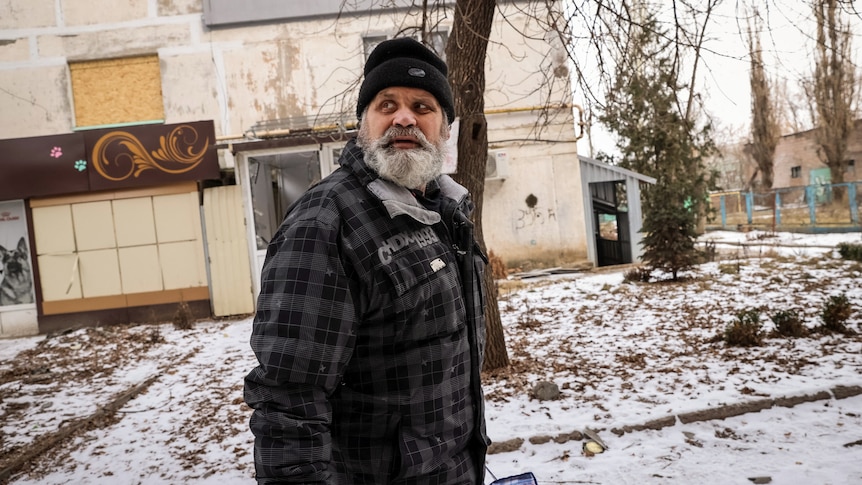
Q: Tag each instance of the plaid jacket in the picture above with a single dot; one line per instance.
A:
(370, 336)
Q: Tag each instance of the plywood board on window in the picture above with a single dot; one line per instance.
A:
(182, 265)
(94, 226)
(139, 269)
(100, 273)
(134, 222)
(58, 275)
(53, 230)
(177, 217)
(117, 90)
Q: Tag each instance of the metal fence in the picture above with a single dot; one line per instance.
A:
(827, 207)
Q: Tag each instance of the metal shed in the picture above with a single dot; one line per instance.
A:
(612, 203)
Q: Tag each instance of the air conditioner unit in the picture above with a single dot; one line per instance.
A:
(497, 166)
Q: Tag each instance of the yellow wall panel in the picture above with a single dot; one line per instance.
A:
(100, 273)
(139, 269)
(181, 264)
(230, 269)
(53, 230)
(117, 90)
(94, 226)
(177, 217)
(134, 223)
(58, 275)
(120, 249)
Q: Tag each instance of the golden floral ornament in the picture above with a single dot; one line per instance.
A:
(118, 155)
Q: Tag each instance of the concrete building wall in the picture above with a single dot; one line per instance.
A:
(797, 150)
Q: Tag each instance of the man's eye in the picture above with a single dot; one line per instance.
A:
(387, 105)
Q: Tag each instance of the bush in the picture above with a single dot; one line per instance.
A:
(709, 252)
(497, 266)
(183, 318)
(730, 268)
(850, 251)
(835, 313)
(639, 274)
(788, 323)
(745, 331)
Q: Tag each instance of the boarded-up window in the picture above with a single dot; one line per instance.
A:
(115, 91)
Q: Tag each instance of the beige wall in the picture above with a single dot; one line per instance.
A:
(536, 213)
(37, 100)
(94, 12)
(26, 14)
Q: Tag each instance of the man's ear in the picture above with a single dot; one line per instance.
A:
(447, 132)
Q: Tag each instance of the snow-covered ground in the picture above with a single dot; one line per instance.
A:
(622, 354)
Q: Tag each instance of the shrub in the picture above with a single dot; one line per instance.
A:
(498, 267)
(709, 252)
(729, 268)
(638, 274)
(183, 318)
(745, 331)
(850, 251)
(835, 313)
(788, 323)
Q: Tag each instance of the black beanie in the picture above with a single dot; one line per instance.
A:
(405, 62)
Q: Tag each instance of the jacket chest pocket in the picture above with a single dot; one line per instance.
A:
(427, 297)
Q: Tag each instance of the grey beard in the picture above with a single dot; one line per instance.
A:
(412, 168)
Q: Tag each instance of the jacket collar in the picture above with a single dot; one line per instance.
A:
(396, 199)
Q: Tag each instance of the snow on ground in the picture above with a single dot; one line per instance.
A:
(622, 354)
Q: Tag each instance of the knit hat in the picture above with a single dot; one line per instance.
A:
(405, 62)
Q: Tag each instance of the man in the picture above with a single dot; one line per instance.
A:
(369, 328)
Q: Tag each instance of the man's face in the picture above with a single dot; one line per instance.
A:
(400, 106)
(403, 134)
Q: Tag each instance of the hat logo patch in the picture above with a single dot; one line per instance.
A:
(416, 72)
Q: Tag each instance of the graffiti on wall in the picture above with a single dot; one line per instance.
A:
(533, 215)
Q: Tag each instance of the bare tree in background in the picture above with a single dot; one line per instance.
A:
(793, 108)
(764, 124)
(833, 87)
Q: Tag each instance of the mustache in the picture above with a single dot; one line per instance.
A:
(404, 131)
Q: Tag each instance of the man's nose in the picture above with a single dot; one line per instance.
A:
(404, 117)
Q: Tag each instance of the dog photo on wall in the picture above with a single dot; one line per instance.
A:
(16, 286)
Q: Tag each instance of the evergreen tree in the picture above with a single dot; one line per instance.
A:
(656, 138)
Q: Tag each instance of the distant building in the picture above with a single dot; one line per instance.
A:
(798, 162)
(733, 166)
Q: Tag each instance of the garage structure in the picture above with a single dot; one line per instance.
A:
(614, 216)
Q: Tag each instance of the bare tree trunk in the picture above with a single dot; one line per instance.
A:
(465, 54)
(764, 124)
